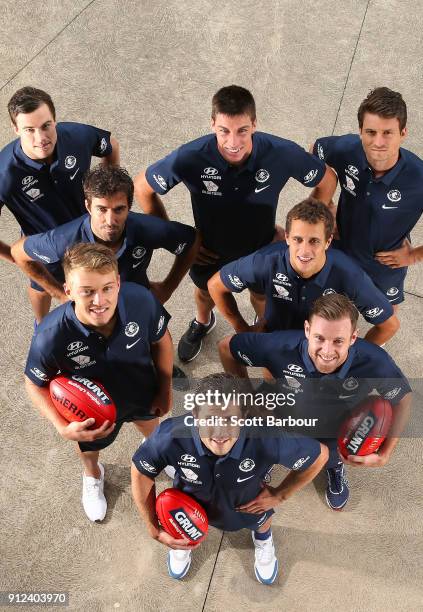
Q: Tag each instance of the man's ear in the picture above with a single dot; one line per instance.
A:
(307, 329)
(88, 206)
(67, 289)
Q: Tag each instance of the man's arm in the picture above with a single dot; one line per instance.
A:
(37, 271)
(147, 198)
(77, 431)
(230, 365)
(226, 304)
(113, 158)
(406, 255)
(401, 415)
(325, 190)
(270, 497)
(144, 494)
(162, 356)
(163, 289)
(5, 252)
(382, 332)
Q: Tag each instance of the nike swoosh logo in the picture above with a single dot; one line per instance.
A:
(136, 265)
(74, 174)
(261, 189)
(387, 207)
(242, 479)
(128, 346)
(345, 396)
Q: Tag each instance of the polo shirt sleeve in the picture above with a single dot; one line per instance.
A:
(175, 237)
(164, 174)
(251, 349)
(390, 382)
(100, 141)
(43, 247)
(40, 365)
(369, 300)
(151, 457)
(295, 452)
(304, 167)
(325, 149)
(243, 273)
(159, 317)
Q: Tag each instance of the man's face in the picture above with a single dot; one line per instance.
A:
(219, 439)
(108, 217)
(307, 247)
(329, 342)
(234, 136)
(95, 295)
(37, 131)
(381, 139)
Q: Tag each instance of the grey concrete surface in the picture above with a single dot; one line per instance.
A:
(147, 71)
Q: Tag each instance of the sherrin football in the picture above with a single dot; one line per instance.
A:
(181, 516)
(367, 427)
(77, 398)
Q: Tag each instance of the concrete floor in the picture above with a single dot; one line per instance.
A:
(147, 72)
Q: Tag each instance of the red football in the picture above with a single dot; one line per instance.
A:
(367, 427)
(181, 516)
(78, 398)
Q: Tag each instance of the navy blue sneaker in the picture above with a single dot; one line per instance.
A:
(337, 491)
(191, 342)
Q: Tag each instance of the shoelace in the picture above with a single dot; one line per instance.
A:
(195, 330)
(264, 550)
(180, 555)
(339, 478)
(92, 488)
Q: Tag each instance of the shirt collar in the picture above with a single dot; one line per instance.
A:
(342, 372)
(249, 165)
(86, 331)
(393, 172)
(320, 278)
(234, 453)
(32, 163)
(86, 226)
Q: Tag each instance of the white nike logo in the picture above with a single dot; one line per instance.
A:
(345, 396)
(74, 174)
(386, 207)
(242, 479)
(136, 265)
(261, 189)
(128, 346)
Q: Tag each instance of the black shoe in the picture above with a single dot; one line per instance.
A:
(190, 344)
(179, 379)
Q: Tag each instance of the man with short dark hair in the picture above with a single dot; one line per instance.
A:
(222, 464)
(41, 172)
(121, 339)
(234, 177)
(293, 274)
(381, 196)
(330, 371)
(132, 236)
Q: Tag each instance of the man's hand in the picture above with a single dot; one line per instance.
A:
(175, 544)
(206, 257)
(373, 460)
(399, 258)
(265, 500)
(79, 432)
(161, 291)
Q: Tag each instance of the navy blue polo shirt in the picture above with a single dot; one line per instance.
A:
(235, 207)
(41, 196)
(327, 396)
(143, 234)
(289, 296)
(221, 484)
(374, 214)
(122, 362)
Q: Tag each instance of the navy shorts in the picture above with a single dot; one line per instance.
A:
(98, 445)
(55, 270)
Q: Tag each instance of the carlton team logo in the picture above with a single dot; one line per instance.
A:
(247, 465)
(138, 252)
(394, 195)
(132, 329)
(70, 162)
(262, 175)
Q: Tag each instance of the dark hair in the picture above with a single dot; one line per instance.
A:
(386, 103)
(233, 100)
(27, 100)
(91, 256)
(333, 307)
(106, 181)
(223, 383)
(311, 211)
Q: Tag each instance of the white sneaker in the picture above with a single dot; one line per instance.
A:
(93, 500)
(266, 564)
(170, 471)
(178, 563)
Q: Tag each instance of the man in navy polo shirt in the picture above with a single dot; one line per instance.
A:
(115, 335)
(330, 371)
(41, 172)
(222, 465)
(381, 196)
(293, 274)
(234, 177)
(131, 236)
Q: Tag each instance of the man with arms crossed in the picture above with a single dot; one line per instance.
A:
(331, 371)
(234, 176)
(226, 476)
(381, 191)
(116, 335)
(41, 172)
